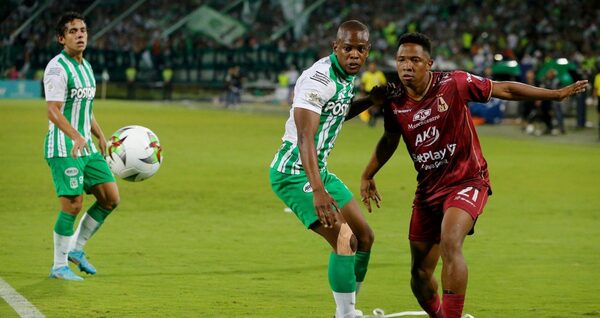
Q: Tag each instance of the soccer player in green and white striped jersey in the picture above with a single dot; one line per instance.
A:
(299, 174)
(75, 162)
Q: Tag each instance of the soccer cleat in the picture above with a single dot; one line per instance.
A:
(64, 273)
(78, 258)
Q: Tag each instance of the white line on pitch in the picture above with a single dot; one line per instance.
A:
(19, 303)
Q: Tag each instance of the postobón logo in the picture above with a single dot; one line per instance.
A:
(83, 92)
(428, 137)
(336, 108)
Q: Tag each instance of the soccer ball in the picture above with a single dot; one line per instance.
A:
(134, 153)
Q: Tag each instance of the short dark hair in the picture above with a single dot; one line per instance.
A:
(416, 38)
(61, 25)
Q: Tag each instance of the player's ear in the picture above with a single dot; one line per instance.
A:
(60, 39)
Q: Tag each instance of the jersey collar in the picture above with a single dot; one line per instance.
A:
(339, 70)
(71, 59)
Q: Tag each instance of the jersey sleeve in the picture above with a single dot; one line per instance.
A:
(55, 83)
(313, 90)
(389, 120)
(472, 87)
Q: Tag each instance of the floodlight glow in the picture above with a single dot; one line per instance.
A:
(512, 63)
(498, 57)
(562, 61)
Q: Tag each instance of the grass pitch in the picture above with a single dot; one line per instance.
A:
(206, 237)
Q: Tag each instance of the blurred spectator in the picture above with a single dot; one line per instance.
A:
(528, 108)
(130, 74)
(292, 75)
(370, 78)
(233, 83)
(12, 73)
(597, 95)
(167, 79)
(551, 81)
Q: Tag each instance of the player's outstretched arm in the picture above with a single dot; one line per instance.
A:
(378, 96)
(383, 152)
(60, 121)
(519, 91)
(307, 124)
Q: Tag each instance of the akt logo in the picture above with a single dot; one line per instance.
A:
(428, 137)
(422, 115)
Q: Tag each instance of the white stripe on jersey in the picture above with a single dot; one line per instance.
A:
(285, 158)
(76, 108)
(50, 140)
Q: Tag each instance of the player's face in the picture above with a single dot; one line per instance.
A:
(75, 36)
(351, 50)
(413, 63)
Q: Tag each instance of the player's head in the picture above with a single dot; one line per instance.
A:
(351, 46)
(372, 66)
(413, 59)
(71, 32)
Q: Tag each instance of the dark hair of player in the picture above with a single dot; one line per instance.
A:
(61, 25)
(416, 38)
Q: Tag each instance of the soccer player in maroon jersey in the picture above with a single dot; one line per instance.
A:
(431, 115)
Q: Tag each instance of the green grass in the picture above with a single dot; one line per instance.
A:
(206, 237)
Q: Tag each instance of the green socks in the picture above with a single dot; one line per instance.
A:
(64, 224)
(360, 265)
(98, 213)
(342, 278)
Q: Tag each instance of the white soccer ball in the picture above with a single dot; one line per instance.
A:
(134, 153)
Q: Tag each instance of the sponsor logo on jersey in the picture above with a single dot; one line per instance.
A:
(71, 172)
(83, 92)
(428, 137)
(401, 111)
(419, 124)
(442, 105)
(422, 115)
(336, 108)
(470, 78)
(434, 159)
(314, 98)
(307, 188)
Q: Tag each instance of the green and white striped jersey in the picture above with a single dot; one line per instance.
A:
(324, 88)
(68, 81)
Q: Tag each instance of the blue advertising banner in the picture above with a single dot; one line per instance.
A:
(20, 89)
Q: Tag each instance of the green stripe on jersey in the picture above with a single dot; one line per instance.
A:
(77, 108)
(287, 159)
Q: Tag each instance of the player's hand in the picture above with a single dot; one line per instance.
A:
(575, 88)
(368, 192)
(378, 95)
(326, 207)
(79, 144)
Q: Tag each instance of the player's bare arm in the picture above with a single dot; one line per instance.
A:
(519, 91)
(377, 97)
(387, 145)
(307, 124)
(56, 117)
(97, 131)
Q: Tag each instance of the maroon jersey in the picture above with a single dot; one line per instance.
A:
(439, 133)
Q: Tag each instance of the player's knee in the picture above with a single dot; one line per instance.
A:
(366, 240)
(111, 203)
(346, 241)
(419, 273)
(450, 248)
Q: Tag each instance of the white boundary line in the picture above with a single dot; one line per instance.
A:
(20, 304)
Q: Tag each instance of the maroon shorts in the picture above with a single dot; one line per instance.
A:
(426, 220)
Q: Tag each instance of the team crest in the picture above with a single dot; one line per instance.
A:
(442, 105)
